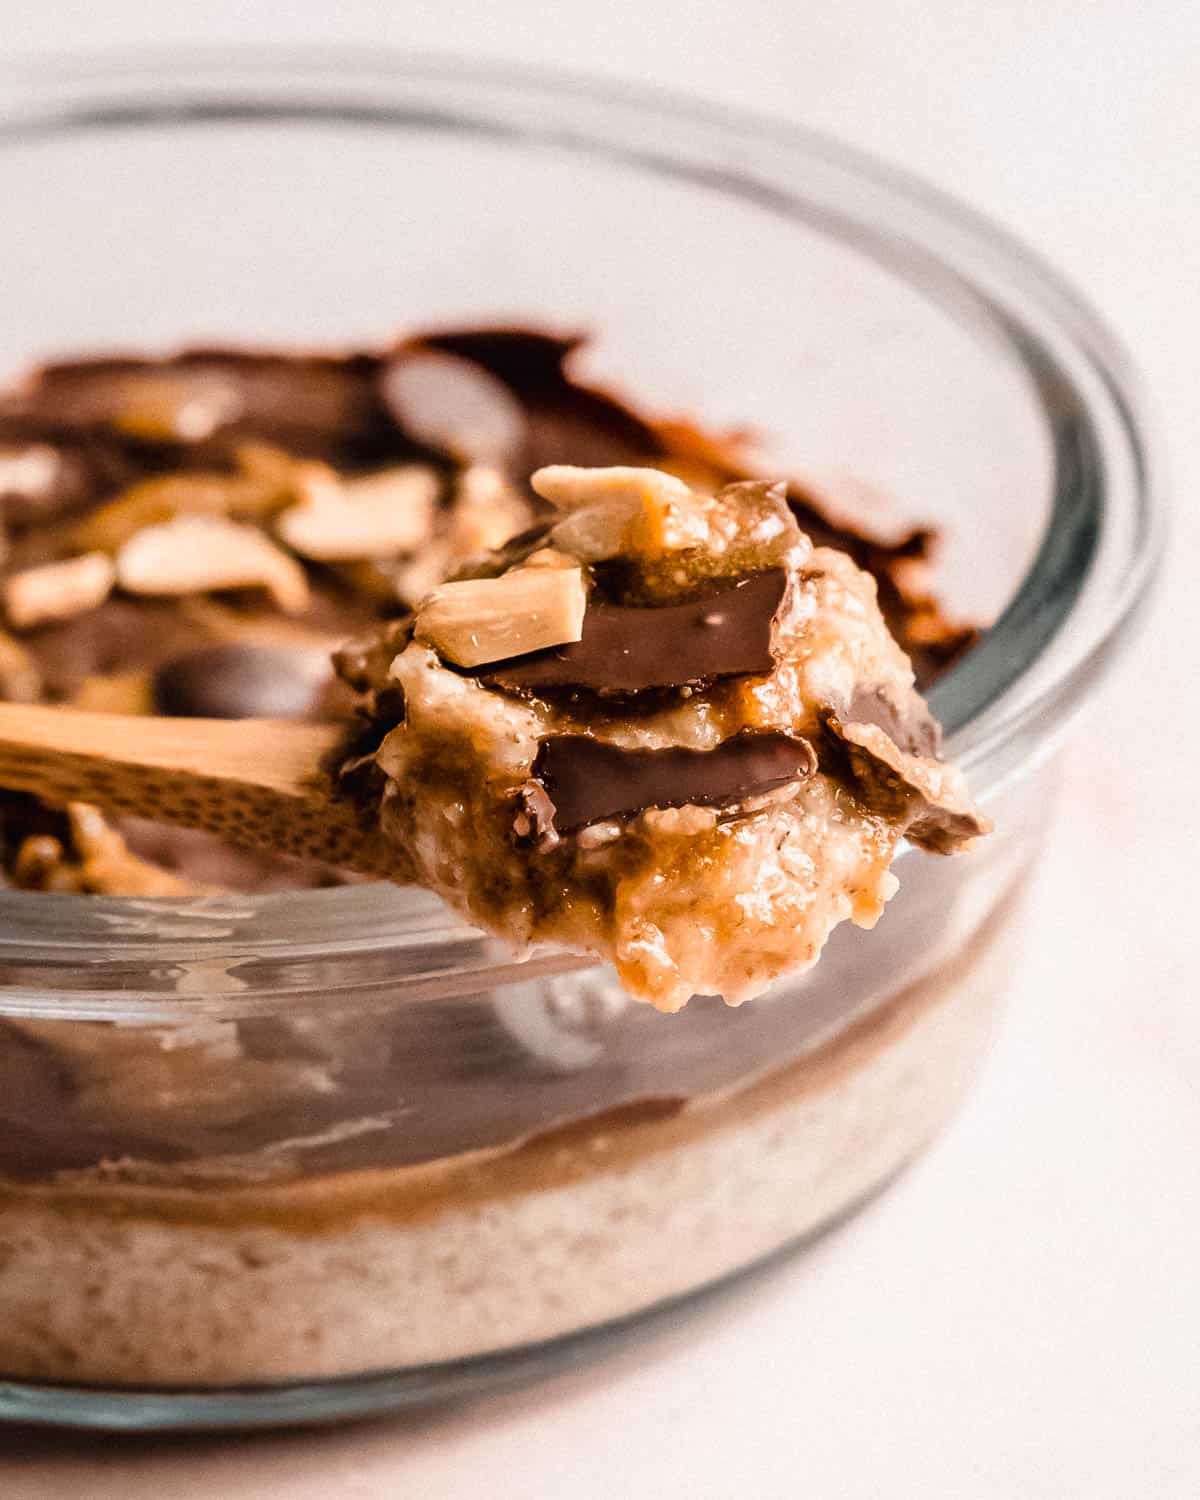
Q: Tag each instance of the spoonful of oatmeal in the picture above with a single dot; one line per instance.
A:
(662, 728)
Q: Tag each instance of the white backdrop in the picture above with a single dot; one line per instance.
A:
(1019, 1319)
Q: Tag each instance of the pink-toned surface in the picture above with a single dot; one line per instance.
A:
(1021, 1315)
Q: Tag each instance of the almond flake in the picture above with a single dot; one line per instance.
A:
(29, 469)
(375, 516)
(568, 487)
(480, 620)
(58, 590)
(199, 554)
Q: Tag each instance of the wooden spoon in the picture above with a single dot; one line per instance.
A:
(256, 781)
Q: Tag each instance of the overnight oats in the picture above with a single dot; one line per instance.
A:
(660, 712)
(650, 713)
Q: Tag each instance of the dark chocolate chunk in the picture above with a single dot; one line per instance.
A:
(912, 727)
(242, 682)
(726, 632)
(938, 816)
(453, 406)
(588, 780)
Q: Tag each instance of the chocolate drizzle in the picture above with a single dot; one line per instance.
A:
(587, 780)
(725, 632)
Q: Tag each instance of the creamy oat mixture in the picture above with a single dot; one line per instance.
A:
(661, 727)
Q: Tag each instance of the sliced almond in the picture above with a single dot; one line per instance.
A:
(29, 469)
(198, 554)
(482, 620)
(375, 516)
(568, 487)
(58, 590)
(612, 510)
(97, 862)
(269, 480)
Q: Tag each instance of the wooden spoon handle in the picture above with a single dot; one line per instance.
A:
(257, 782)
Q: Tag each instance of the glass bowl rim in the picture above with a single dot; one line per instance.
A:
(121, 940)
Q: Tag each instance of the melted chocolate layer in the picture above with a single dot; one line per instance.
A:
(724, 633)
(588, 780)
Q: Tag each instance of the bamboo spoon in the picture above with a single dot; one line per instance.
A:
(256, 781)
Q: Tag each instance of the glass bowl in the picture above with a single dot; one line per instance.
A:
(290, 1157)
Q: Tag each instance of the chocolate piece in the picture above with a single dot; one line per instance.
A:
(726, 632)
(241, 682)
(940, 815)
(588, 780)
(453, 406)
(913, 728)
